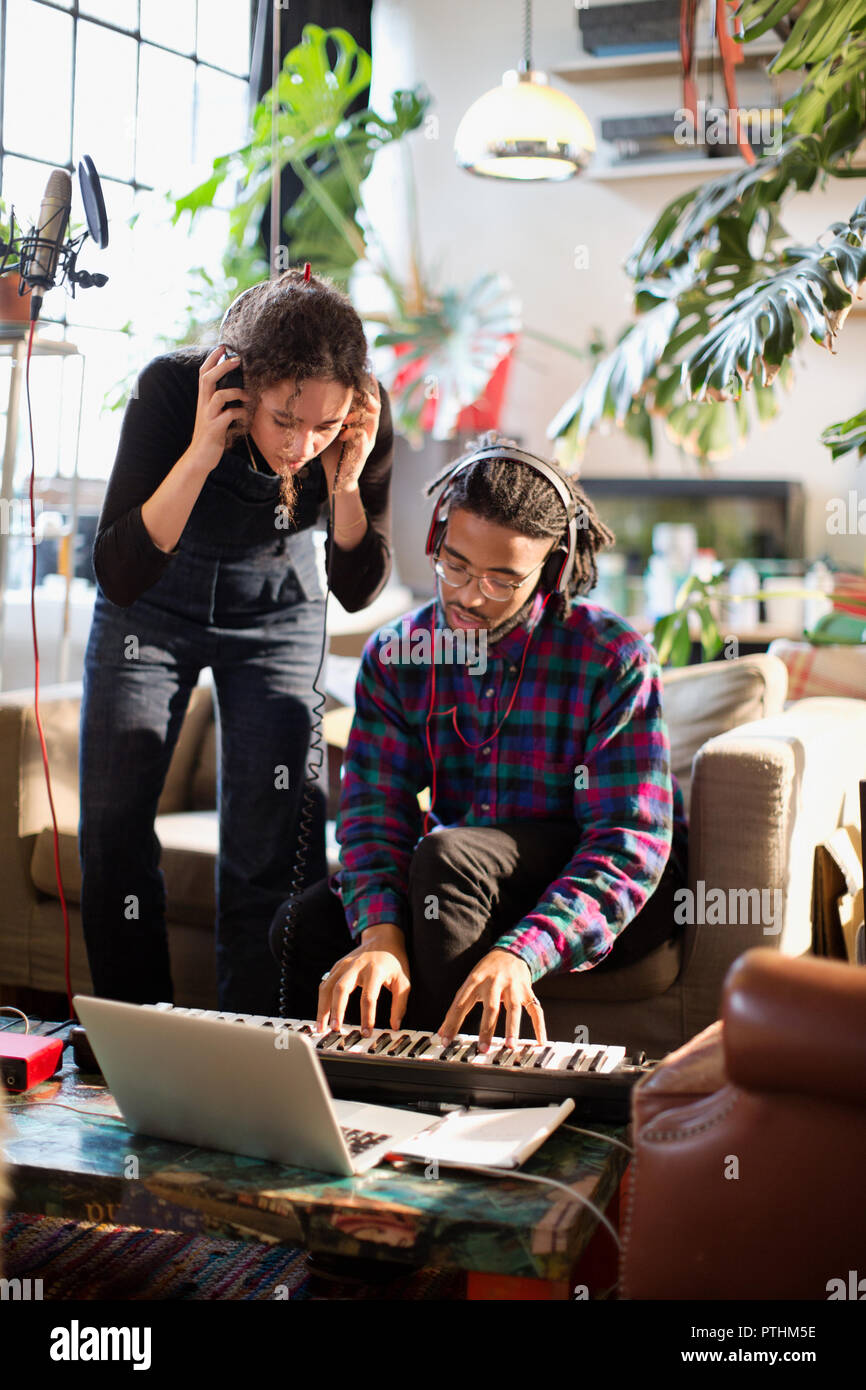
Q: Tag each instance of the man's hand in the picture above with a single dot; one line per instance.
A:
(500, 979)
(379, 961)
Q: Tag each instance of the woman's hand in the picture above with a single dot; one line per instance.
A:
(354, 443)
(212, 415)
(379, 962)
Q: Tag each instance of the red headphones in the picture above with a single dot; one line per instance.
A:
(568, 541)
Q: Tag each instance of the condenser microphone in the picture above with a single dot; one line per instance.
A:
(40, 267)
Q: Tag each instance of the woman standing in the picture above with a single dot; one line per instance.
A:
(205, 557)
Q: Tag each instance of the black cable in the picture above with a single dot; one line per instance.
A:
(314, 766)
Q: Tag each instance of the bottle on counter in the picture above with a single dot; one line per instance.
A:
(743, 612)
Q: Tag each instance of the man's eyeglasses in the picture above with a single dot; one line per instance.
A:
(497, 589)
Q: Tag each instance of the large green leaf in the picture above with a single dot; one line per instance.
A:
(763, 324)
(456, 344)
(847, 435)
(819, 32)
(608, 392)
(305, 123)
(690, 218)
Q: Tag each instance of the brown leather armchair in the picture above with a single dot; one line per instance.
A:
(750, 1144)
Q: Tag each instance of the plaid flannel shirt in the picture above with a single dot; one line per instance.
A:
(585, 738)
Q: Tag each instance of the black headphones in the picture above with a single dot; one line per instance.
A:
(556, 572)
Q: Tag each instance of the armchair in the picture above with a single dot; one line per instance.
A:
(750, 1144)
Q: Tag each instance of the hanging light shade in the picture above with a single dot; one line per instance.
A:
(524, 129)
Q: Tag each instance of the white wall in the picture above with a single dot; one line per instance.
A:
(460, 50)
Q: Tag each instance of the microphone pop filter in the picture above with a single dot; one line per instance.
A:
(94, 204)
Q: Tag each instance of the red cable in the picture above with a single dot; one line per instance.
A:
(453, 709)
(687, 55)
(731, 54)
(62, 895)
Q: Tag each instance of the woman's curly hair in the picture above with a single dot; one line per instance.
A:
(515, 495)
(292, 328)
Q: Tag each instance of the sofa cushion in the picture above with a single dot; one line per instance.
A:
(189, 845)
(202, 792)
(644, 979)
(703, 701)
(198, 720)
(831, 670)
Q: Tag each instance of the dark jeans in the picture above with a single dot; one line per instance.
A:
(256, 620)
(485, 880)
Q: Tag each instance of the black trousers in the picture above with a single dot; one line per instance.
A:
(467, 886)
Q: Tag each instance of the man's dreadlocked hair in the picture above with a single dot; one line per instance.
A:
(513, 494)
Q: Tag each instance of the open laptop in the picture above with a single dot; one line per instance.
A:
(247, 1091)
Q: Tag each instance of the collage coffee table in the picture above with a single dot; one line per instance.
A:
(70, 1157)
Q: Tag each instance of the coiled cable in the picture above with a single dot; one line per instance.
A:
(315, 759)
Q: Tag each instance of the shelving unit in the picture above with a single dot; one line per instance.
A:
(691, 167)
(587, 69)
(655, 64)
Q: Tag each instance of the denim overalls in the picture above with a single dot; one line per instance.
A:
(252, 610)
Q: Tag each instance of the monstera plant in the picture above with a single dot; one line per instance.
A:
(722, 296)
(447, 344)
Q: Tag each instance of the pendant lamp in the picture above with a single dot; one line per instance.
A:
(525, 129)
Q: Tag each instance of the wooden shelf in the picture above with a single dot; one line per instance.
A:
(588, 68)
(696, 167)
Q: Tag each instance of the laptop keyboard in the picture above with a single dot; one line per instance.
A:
(358, 1141)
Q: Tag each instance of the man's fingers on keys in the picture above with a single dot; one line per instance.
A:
(488, 1022)
(327, 988)
(462, 1003)
(372, 988)
(513, 1014)
(347, 982)
(399, 1000)
(536, 1013)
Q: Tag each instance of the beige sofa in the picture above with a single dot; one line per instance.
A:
(764, 785)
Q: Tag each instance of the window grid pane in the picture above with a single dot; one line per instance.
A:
(170, 105)
(170, 23)
(38, 128)
(105, 65)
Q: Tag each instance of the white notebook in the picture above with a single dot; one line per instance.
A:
(478, 1137)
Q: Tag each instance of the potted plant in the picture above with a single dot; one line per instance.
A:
(723, 298)
(450, 348)
(14, 308)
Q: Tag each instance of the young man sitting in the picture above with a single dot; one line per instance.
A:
(556, 835)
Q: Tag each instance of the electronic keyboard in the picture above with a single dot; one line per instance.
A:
(397, 1066)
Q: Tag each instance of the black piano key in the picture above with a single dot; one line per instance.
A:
(526, 1056)
(419, 1047)
(351, 1038)
(451, 1049)
(503, 1056)
(305, 1028)
(471, 1051)
(594, 1064)
(381, 1043)
(574, 1059)
(400, 1045)
(543, 1057)
(328, 1040)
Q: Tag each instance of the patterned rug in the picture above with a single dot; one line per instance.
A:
(79, 1260)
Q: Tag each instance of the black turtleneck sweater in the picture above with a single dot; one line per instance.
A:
(236, 507)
